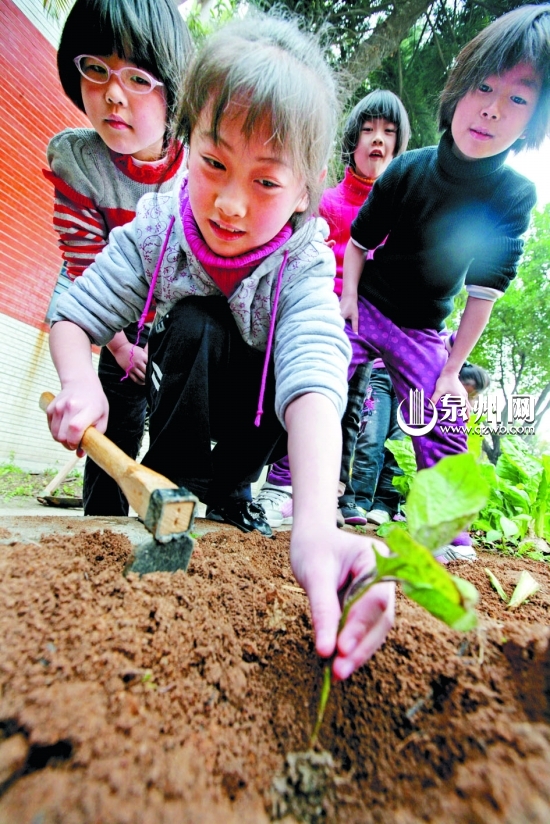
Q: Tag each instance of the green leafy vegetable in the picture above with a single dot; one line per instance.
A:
(509, 528)
(403, 452)
(427, 582)
(445, 499)
(519, 491)
(541, 504)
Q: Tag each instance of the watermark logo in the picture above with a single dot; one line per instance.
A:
(453, 415)
(417, 425)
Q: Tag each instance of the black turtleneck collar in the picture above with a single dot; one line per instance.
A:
(455, 167)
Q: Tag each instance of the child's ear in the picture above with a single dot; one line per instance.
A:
(323, 174)
(303, 203)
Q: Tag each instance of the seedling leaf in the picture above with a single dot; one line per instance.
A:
(525, 588)
(468, 592)
(509, 528)
(496, 584)
(454, 615)
(427, 582)
(445, 499)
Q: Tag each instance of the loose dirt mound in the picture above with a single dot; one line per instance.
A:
(174, 699)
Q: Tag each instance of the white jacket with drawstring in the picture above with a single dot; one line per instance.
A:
(311, 349)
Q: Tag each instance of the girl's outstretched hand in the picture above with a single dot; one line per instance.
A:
(76, 407)
(323, 564)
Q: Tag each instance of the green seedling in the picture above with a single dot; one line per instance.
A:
(525, 588)
(455, 485)
(148, 681)
(495, 583)
(442, 501)
(424, 580)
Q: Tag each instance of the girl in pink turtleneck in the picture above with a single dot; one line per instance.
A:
(376, 131)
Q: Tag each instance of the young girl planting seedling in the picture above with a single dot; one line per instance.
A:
(247, 336)
(452, 214)
(119, 62)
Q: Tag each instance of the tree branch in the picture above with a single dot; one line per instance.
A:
(385, 39)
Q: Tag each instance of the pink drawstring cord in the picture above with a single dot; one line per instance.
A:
(150, 293)
(260, 410)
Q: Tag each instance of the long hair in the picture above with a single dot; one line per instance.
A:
(278, 74)
(521, 36)
(380, 103)
(149, 33)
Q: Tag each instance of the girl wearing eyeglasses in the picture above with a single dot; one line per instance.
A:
(119, 61)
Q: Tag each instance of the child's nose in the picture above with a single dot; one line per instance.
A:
(231, 202)
(491, 110)
(114, 93)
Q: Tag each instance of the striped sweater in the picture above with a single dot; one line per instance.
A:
(96, 190)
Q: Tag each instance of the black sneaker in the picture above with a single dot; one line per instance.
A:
(245, 515)
(354, 515)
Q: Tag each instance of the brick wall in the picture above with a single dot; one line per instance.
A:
(34, 108)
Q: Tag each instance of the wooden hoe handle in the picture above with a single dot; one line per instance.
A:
(136, 481)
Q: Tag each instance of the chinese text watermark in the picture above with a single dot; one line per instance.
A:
(453, 415)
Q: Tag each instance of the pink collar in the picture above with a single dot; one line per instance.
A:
(226, 272)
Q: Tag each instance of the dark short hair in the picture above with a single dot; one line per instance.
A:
(521, 36)
(150, 33)
(476, 375)
(380, 103)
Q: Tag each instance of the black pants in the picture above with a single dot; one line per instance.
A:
(203, 383)
(127, 411)
(351, 422)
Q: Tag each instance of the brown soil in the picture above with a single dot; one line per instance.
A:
(174, 699)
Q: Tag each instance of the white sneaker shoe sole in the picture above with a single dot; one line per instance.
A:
(378, 517)
(277, 504)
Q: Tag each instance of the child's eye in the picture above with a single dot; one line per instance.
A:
(95, 70)
(520, 100)
(139, 80)
(483, 87)
(268, 184)
(214, 164)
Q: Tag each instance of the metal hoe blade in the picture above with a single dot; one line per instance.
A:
(152, 556)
